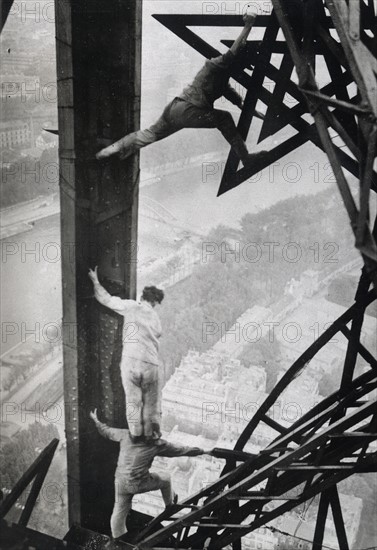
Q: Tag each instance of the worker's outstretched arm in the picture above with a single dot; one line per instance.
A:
(240, 42)
(169, 449)
(115, 434)
(113, 302)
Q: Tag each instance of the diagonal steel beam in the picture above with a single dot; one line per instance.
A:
(261, 474)
(343, 16)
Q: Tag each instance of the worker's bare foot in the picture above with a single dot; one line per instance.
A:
(120, 148)
(174, 502)
(156, 432)
(112, 149)
(254, 159)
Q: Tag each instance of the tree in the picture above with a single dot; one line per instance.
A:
(265, 354)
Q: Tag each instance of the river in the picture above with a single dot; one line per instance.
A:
(30, 262)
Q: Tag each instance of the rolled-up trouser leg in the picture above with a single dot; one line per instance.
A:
(166, 489)
(131, 143)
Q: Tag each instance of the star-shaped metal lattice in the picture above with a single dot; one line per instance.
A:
(258, 54)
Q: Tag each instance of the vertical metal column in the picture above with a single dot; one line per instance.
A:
(4, 12)
(98, 68)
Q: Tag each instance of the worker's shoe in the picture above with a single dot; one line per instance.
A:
(254, 159)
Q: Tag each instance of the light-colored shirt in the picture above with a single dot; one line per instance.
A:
(141, 327)
(135, 459)
(212, 82)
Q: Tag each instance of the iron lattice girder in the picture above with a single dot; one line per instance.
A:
(258, 54)
(305, 443)
(299, 365)
(362, 64)
(16, 536)
(5, 8)
(35, 475)
(342, 59)
(262, 474)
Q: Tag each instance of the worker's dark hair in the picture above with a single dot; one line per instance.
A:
(152, 294)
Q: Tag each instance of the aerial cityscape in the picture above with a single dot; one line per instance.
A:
(250, 282)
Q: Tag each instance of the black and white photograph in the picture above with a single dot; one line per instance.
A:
(188, 229)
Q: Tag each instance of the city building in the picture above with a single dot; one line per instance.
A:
(303, 526)
(14, 62)
(14, 133)
(260, 539)
(209, 390)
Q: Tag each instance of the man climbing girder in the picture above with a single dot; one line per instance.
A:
(194, 107)
(132, 475)
(140, 363)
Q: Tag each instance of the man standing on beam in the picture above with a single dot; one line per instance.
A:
(140, 363)
(194, 108)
